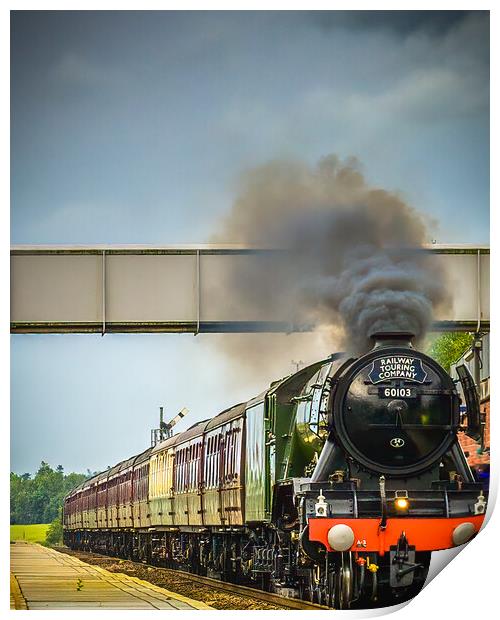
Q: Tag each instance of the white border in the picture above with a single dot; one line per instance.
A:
(467, 586)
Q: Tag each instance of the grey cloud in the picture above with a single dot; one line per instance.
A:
(74, 69)
(423, 82)
(403, 23)
(430, 96)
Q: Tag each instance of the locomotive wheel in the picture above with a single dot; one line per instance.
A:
(344, 585)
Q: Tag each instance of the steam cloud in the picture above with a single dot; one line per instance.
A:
(348, 256)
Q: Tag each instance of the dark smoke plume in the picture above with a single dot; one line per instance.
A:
(347, 256)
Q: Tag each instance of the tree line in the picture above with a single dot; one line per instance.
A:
(39, 498)
(448, 348)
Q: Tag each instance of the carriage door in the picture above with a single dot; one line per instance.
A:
(237, 473)
(169, 488)
(257, 476)
(230, 503)
(225, 495)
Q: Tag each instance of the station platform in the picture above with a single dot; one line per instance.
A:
(42, 578)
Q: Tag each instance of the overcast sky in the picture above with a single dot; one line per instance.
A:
(133, 127)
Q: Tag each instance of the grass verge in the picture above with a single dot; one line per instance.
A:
(30, 533)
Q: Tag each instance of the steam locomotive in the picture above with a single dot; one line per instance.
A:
(334, 485)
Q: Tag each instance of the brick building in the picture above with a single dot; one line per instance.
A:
(472, 449)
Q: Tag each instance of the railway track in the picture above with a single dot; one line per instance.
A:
(148, 572)
(268, 597)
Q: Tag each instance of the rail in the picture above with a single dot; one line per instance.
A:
(261, 595)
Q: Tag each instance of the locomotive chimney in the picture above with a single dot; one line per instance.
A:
(392, 339)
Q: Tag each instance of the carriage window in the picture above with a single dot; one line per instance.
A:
(237, 452)
(229, 467)
(212, 461)
(154, 467)
(194, 461)
(215, 460)
(194, 466)
(183, 469)
(219, 459)
(177, 470)
(170, 472)
(190, 467)
(163, 483)
(209, 460)
(157, 474)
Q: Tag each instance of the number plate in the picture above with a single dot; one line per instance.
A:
(397, 392)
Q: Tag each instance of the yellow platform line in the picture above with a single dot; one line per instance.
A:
(17, 600)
